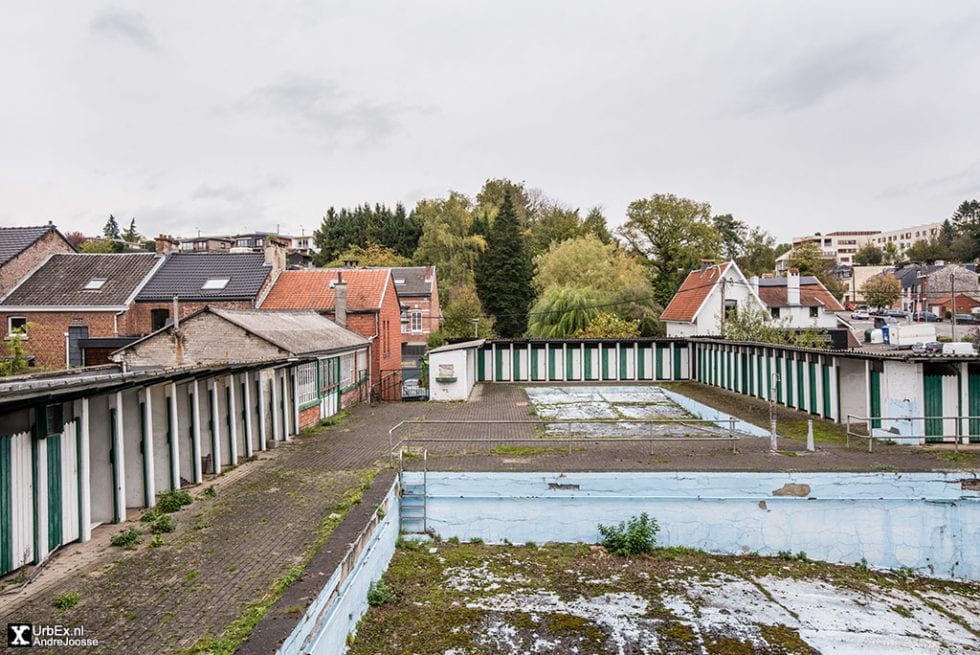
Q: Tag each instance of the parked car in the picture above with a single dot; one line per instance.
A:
(860, 315)
(967, 319)
(926, 317)
(412, 390)
(927, 347)
(897, 313)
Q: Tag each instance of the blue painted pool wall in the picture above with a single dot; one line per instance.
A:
(925, 521)
(711, 414)
(321, 632)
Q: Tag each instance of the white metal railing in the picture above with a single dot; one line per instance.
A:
(704, 425)
(866, 421)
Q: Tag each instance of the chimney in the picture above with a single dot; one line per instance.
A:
(793, 286)
(706, 264)
(754, 283)
(350, 263)
(275, 254)
(340, 300)
(166, 244)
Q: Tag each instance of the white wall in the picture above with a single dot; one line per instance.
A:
(462, 363)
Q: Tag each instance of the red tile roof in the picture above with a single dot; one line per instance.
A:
(687, 301)
(312, 289)
(812, 294)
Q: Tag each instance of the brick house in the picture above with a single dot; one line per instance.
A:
(418, 293)
(22, 249)
(230, 280)
(368, 305)
(72, 300)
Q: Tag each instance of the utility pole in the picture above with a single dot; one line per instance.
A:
(724, 283)
(952, 295)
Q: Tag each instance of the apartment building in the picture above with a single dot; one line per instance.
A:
(842, 245)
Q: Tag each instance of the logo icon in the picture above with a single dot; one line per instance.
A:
(19, 634)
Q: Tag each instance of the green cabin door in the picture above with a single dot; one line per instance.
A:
(744, 383)
(659, 363)
(973, 401)
(677, 362)
(875, 393)
(789, 382)
(6, 507)
(800, 390)
(933, 383)
(481, 365)
(825, 378)
(54, 491)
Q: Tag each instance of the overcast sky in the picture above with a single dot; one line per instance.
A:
(236, 116)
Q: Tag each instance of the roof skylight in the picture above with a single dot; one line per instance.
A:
(216, 283)
(94, 284)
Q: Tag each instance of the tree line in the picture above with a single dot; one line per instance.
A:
(520, 263)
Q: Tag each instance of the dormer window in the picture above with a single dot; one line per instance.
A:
(95, 284)
(397, 281)
(215, 283)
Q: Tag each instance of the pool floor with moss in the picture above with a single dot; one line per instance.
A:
(475, 599)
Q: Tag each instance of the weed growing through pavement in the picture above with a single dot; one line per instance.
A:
(126, 539)
(636, 536)
(66, 601)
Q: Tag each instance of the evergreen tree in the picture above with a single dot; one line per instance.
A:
(595, 224)
(111, 229)
(503, 280)
(131, 235)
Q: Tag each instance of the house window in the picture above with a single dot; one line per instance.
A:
(346, 371)
(328, 375)
(774, 311)
(187, 245)
(258, 243)
(159, 318)
(417, 321)
(814, 312)
(731, 309)
(404, 322)
(216, 283)
(241, 243)
(18, 323)
(306, 391)
(94, 284)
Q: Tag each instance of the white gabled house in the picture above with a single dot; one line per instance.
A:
(696, 308)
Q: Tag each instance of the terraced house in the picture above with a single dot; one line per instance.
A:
(22, 249)
(74, 306)
(196, 280)
(363, 300)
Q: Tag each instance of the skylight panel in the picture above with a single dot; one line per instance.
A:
(215, 283)
(95, 284)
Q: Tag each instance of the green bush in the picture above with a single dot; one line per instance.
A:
(66, 601)
(633, 537)
(380, 593)
(164, 523)
(126, 539)
(172, 501)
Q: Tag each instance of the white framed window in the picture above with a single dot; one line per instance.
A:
(17, 323)
(242, 243)
(187, 245)
(95, 284)
(417, 320)
(216, 283)
(346, 370)
(306, 391)
(328, 375)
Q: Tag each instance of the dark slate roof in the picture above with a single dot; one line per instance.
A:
(14, 240)
(60, 281)
(185, 273)
(414, 283)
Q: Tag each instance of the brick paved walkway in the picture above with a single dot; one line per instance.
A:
(229, 549)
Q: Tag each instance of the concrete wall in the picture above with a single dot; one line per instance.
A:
(342, 602)
(926, 521)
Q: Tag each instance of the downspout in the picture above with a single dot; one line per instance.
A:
(115, 322)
